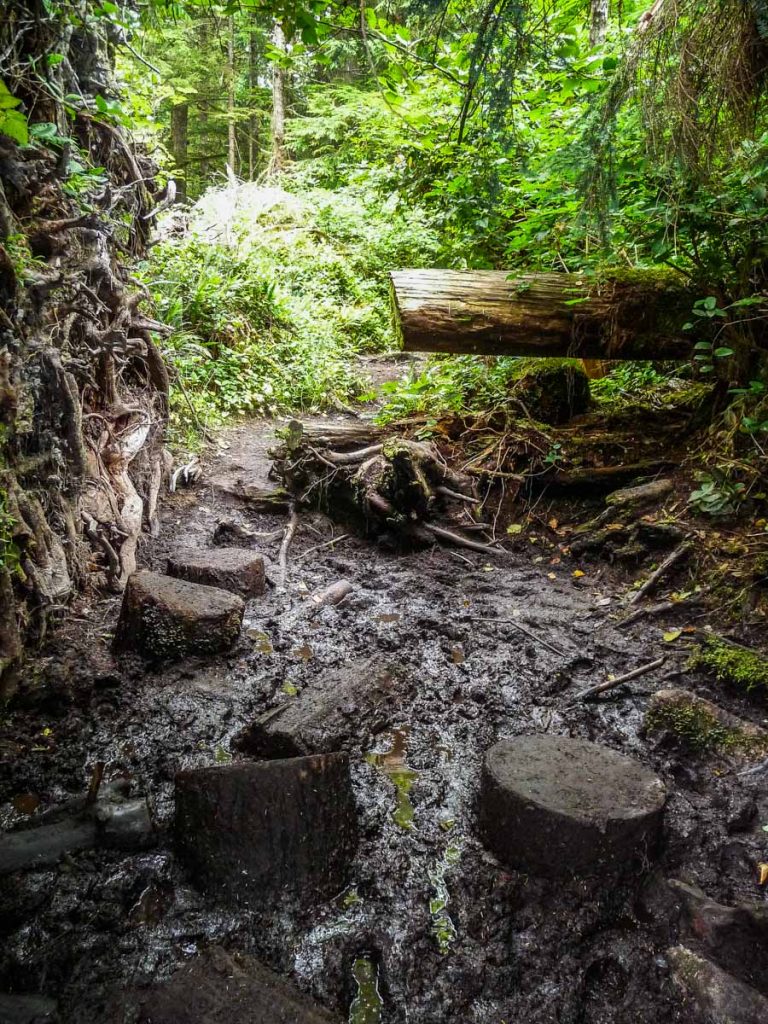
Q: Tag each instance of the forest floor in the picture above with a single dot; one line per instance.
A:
(453, 935)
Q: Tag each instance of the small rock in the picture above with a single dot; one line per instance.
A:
(241, 572)
(251, 831)
(162, 617)
(223, 988)
(318, 721)
(742, 809)
(721, 998)
(27, 1010)
(557, 806)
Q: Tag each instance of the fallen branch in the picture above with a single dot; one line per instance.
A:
(611, 684)
(463, 542)
(662, 607)
(671, 560)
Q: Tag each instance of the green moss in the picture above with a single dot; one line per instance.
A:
(693, 726)
(657, 278)
(552, 390)
(742, 668)
(698, 729)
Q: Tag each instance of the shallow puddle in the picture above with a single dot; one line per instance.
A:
(392, 762)
(367, 1005)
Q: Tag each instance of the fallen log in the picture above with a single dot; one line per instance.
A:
(636, 314)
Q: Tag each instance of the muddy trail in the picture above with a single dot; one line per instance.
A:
(428, 925)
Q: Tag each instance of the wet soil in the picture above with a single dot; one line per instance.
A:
(432, 929)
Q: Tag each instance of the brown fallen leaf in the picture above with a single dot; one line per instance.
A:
(762, 873)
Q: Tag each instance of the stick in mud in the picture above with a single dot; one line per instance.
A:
(290, 530)
(680, 552)
(462, 542)
(642, 670)
(524, 630)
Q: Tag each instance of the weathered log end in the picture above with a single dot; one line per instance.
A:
(637, 314)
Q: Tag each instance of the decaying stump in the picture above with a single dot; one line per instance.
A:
(386, 484)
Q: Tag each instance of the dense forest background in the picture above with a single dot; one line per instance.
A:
(291, 154)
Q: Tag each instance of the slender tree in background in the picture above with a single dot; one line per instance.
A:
(598, 23)
(253, 120)
(277, 158)
(179, 146)
(231, 127)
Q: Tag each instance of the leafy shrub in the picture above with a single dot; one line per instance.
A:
(272, 295)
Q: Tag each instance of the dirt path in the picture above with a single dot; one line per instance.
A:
(453, 936)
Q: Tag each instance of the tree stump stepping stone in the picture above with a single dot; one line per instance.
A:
(163, 617)
(233, 569)
(557, 806)
(223, 988)
(252, 832)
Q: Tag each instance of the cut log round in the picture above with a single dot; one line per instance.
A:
(557, 806)
(637, 315)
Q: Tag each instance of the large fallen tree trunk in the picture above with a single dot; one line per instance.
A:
(632, 315)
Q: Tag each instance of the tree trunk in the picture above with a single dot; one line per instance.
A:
(277, 158)
(179, 141)
(634, 315)
(598, 24)
(231, 134)
(253, 121)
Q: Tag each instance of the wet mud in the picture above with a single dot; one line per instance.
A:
(431, 928)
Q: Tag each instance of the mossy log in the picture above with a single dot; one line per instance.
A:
(627, 315)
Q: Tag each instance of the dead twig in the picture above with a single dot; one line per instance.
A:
(593, 691)
(290, 530)
(682, 551)
(319, 547)
(522, 629)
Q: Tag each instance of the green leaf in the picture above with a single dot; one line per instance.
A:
(722, 353)
(7, 101)
(14, 125)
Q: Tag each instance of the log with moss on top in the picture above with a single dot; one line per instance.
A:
(624, 314)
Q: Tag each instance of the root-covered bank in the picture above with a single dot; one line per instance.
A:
(83, 388)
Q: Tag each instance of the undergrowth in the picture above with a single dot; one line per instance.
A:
(271, 295)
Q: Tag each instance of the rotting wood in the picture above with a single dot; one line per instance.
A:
(488, 312)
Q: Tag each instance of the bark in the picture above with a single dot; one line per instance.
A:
(179, 147)
(598, 22)
(231, 128)
(253, 120)
(277, 158)
(486, 312)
